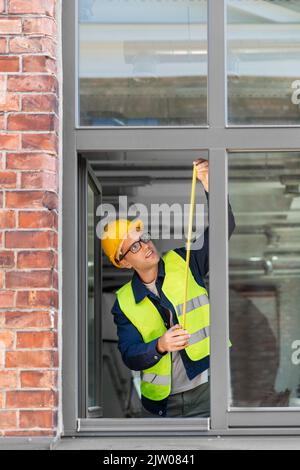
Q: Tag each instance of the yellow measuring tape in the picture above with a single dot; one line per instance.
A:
(188, 248)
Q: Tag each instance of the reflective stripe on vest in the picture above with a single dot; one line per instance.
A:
(192, 304)
(156, 380)
(199, 335)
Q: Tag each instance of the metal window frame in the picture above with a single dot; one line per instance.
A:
(219, 139)
(86, 178)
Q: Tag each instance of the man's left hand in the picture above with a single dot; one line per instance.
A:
(202, 171)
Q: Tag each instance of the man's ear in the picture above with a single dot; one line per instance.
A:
(124, 263)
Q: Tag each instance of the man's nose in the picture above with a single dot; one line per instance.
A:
(146, 245)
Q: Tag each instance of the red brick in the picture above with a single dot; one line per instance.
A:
(7, 298)
(3, 45)
(26, 359)
(9, 141)
(9, 64)
(41, 103)
(30, 433)
(44, 7)
(31, 161)
(36, 219)
(55, 240)
(39, 180)
(40, 26)
(30, 122)
(31, 399)
(47, 142)
(10, 25)
(2, 6)
(28, 279)
(7, 219)
(8, 419)
(36, 340)
(36, 419)
(39, 63)
(44, 45)
(1, 400)
(55, 221)
(31, 199)
(32, 83)
(34, 259)
(6, 339)
(35, 319)
(55, 280)
(37, 299)
(50, 201)
(38, 379)
(3, 83)
(6, 259)
(8, 179)
(1, 201)
(19, 199)
(28, 239)
(1, 285)
(8, 379)
(9, 102)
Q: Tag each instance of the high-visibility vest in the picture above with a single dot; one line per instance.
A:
(156, 380)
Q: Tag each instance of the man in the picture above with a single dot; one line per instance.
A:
(174, 362)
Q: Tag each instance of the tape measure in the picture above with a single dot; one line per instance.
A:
(188, 247)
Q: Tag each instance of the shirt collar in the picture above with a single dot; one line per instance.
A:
(140, 291)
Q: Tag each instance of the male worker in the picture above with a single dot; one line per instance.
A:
(174, 363)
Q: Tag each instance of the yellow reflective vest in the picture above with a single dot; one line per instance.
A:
(156, 380)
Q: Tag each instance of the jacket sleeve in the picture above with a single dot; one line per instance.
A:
(136, 354)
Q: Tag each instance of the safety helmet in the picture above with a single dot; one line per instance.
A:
(114, 234)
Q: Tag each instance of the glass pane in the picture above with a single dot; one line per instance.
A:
(263, 62)
(264, 273)
(142, 63)
(158, 185)
(90, 307)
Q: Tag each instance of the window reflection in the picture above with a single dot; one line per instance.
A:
(264, 274)
(142, 63)
(263, 62)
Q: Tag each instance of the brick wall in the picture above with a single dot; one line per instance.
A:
(29, 146)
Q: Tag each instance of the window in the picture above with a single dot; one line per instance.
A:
(252, 142)
(142, 63)
(263, 67)
(265, 279)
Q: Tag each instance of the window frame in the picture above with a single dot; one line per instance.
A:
(218, 138)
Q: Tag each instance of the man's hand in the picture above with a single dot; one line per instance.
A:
(175, 339)
(202, 172)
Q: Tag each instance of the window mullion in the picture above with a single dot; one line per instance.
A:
(217, 81)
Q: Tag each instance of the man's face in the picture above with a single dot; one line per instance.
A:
(145, 258)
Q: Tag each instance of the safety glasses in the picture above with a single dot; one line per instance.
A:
(136, 246)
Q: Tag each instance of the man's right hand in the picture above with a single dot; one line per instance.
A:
(175, 339)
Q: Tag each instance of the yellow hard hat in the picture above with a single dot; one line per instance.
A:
(115, 233)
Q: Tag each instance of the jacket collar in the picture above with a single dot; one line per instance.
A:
(140, 291)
